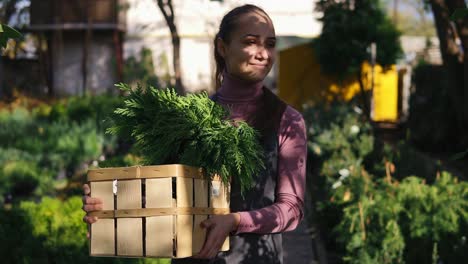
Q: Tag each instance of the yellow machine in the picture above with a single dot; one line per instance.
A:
(301, 82)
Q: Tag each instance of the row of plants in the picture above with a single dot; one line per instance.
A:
(378, 203)
(46, 147)
(45, 150)
(51, 231)
(70, 136)
(368, 203)
(43, 147)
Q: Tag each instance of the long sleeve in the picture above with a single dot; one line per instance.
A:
(287, 210)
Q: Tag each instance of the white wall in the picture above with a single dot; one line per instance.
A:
(197, 22)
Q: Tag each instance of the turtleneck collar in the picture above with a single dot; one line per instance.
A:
(237, 90)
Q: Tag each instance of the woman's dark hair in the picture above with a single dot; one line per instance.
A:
(227, 26)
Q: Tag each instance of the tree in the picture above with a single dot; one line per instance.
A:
(167, 10)
(349, 28)
(455, 57)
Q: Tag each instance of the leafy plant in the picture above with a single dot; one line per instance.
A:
(50, 231)
(192, 129)
(140, 70)
(369, 203)
(6, 33)
(42, 146)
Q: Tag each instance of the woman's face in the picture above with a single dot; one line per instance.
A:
(249, 53)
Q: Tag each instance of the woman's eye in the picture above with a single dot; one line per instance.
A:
(271, 44)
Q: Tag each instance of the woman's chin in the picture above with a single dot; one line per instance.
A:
(257, 76)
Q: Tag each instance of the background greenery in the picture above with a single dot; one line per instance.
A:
(45, 151)
(381, 203)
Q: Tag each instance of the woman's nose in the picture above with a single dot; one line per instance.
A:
(262, 53)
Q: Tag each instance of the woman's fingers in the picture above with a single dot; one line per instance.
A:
(217, 231)
(90, 219)
(212, 246)
(213, 250)
(91, 204)
(91, 200)
(207, 224)
(86, 189)
(92, 207)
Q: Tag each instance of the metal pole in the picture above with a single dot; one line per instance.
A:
(373, 61)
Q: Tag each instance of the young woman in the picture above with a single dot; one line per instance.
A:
(244, 53)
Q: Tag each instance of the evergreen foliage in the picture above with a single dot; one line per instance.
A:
(349, 28)
(192, 130)
(42, 147)
(370, 204)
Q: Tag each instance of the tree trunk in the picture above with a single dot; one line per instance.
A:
(462, 30)
(445, 32)
(451, 52)
(168, 12)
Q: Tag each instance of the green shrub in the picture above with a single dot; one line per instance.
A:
(372, 213)
(22, 175)
(50, 142)
(51, 231)
(19, 177)
(192, 130)
(15, 125)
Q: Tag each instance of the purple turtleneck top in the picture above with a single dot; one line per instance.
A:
(242, 99)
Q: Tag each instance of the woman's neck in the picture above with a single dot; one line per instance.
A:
(236, 90)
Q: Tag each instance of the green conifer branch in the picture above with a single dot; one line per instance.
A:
(192, 130)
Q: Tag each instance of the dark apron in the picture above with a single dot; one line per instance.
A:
(250, 247)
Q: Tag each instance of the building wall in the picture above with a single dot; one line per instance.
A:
(417, 47)
(67, 63)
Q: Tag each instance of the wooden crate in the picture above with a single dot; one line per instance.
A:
(153, 211)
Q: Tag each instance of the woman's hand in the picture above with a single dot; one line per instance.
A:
(218, 228)
(90, 204)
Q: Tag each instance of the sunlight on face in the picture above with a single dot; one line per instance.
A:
(249, 52)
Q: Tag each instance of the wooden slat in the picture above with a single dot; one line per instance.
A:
(184, 192)
(129, 230)
(102, 241)
(135, 172)
(148, 212)
(119, 173)
(129, 237)
(103, 191)
(159, 236)
(184, 236)
(225, 246)
(201, 201)
(219, 198)
(172, 170)
(184, 222)
(159, 229)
